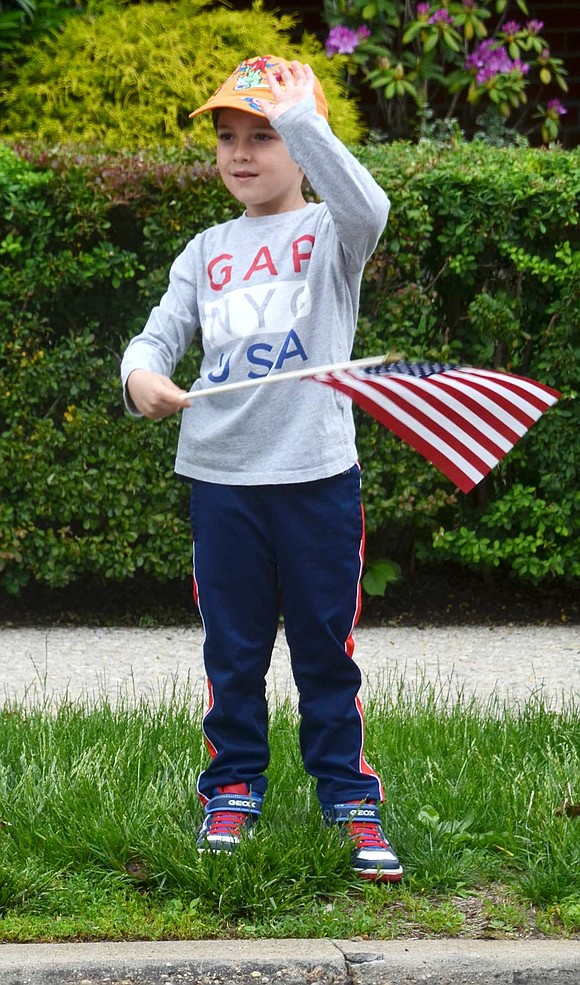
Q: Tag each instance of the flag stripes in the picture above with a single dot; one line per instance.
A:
(462, 420)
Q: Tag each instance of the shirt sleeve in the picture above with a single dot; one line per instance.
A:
(358, 205)
(170, 328)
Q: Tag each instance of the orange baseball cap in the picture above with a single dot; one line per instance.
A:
(249, 83)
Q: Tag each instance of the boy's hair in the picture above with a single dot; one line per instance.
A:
(249, 83)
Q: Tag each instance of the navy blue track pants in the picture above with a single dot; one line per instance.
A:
(296, 549)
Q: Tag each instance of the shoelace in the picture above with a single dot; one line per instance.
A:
(367, 835)
(227, 823)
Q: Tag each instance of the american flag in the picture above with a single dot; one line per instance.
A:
(462, 420)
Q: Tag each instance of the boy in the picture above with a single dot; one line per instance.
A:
(275, 503)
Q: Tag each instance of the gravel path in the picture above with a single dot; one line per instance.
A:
(512, 662)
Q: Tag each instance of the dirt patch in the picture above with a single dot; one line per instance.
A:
(444, 597)
(434, 597)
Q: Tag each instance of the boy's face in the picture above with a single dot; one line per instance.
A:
(255, 165)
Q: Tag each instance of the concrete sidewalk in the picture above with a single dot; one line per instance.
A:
(509, 662)
(293, 962)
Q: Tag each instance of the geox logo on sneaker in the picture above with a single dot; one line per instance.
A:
(242, 803)
(361, 812)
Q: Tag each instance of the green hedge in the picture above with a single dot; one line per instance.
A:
(479, 263)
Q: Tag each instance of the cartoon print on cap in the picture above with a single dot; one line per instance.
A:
(251, 76)
(252, 104)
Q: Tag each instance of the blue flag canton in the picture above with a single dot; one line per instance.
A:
(416, 369)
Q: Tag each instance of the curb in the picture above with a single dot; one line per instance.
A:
(293, 962)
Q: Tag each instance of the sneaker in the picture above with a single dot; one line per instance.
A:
(372, 856)
(228, 817)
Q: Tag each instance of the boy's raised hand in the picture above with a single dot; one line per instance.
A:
(297, 84)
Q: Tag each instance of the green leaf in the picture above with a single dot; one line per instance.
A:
(379, 574)
(430, 41)
(410, 88)
(412, 32)
(451, 41)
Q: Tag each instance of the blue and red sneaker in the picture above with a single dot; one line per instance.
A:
(372, 856)
(229, 816)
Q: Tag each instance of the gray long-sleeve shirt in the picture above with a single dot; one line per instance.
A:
(271, 294)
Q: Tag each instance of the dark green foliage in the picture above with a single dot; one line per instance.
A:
(87, 243)
(23, 21)
(479, 263)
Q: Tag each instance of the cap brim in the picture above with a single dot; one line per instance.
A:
(245, 104)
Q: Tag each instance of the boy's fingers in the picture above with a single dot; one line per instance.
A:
(295, 73)
(302, 72)
(275, 86)
(266, 107)
(300, 69)
(159, 409)
(156, 395)
(173, 399)
(297, 82)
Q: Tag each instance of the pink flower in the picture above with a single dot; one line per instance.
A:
(521, 66)
(510, 29)
(363, 32)
(341, 40)
(555, 109)
(423, 11)
(441, 16)
(490, 59)
(534, 26)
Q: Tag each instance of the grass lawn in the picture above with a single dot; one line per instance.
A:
(98, 817)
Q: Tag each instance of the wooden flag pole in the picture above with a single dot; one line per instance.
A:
(297, 374)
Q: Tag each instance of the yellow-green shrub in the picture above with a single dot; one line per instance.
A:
(129, 77)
